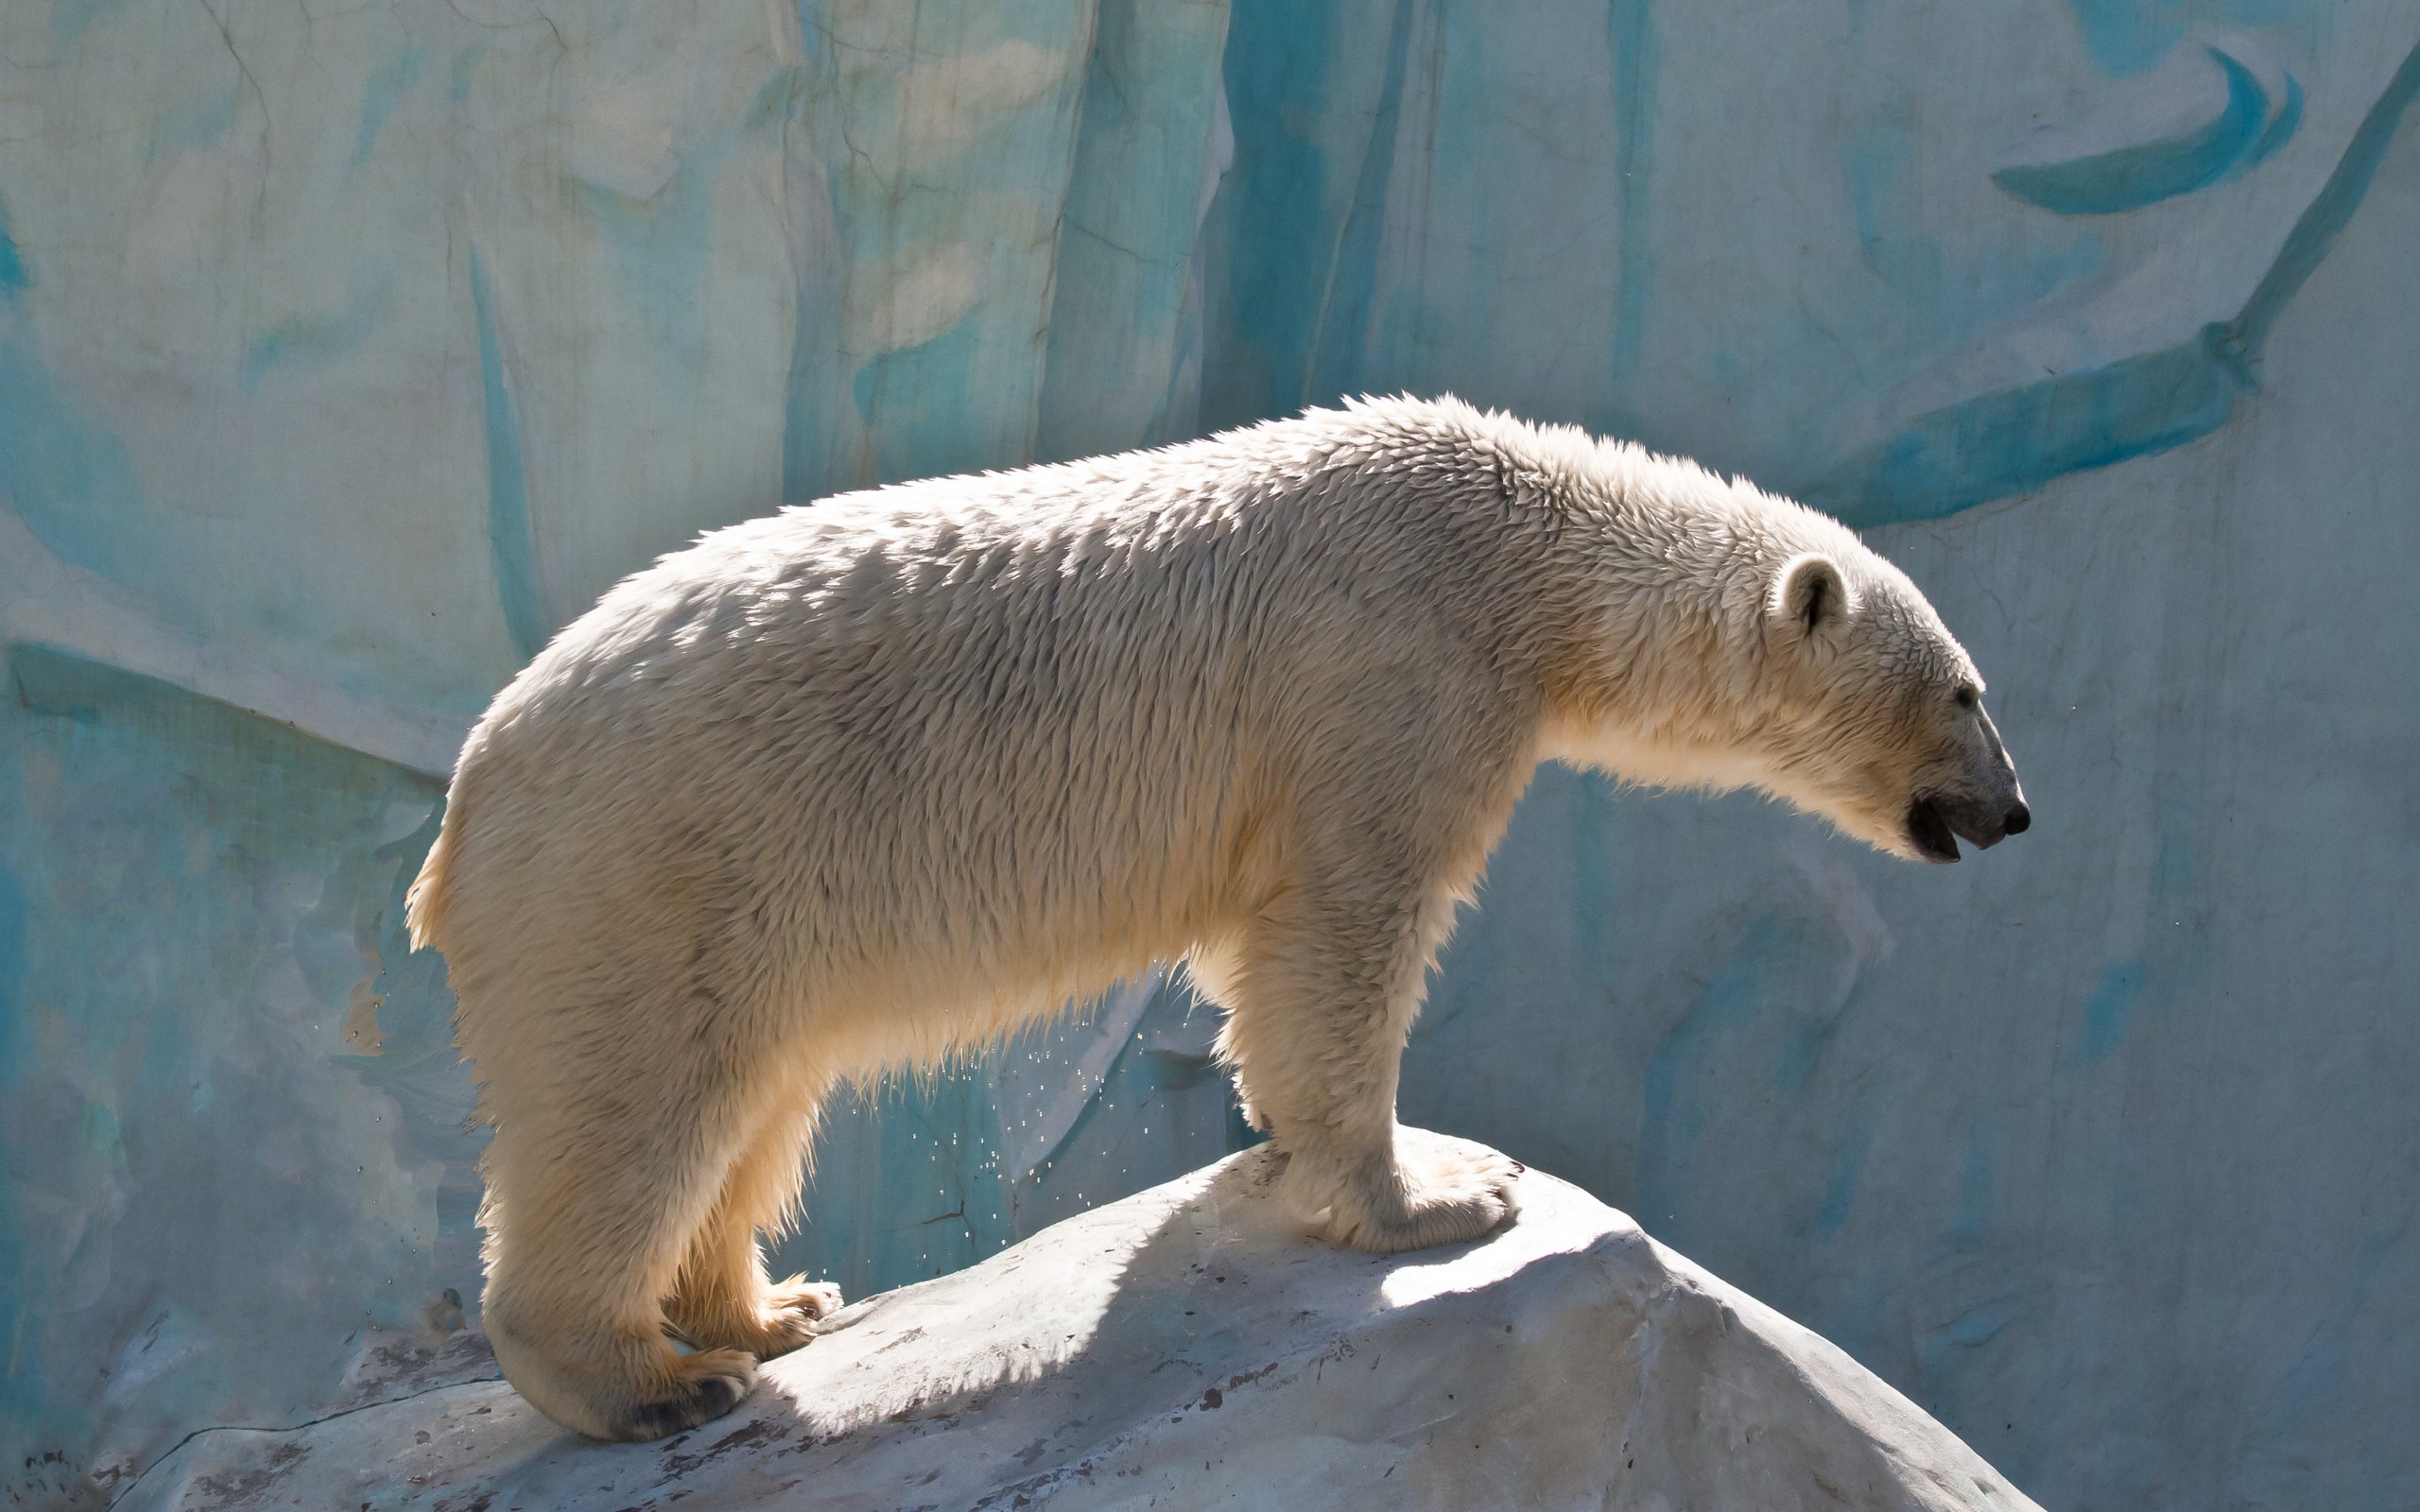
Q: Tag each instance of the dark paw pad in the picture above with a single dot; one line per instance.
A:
(699, 1400)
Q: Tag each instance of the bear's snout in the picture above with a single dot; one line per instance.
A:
(1938, 821)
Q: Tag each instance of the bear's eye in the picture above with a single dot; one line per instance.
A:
(1968, 697)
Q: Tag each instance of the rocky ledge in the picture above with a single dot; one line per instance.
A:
(1185, 1349)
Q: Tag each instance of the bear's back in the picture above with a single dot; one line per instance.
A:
(1053, 686)
(1046, 598)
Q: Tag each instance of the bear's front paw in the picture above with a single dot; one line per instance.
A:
(783, 1321)
(799, 1297)
(792, 1309)
(1436, 1190)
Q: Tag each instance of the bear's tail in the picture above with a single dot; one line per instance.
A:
(424, 903)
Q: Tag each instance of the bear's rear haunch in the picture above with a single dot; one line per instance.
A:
(875, 780)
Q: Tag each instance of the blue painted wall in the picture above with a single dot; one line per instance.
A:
(342, 357)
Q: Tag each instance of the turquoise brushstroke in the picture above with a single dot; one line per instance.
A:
(809, 456)
(2128, 36)
(1677, 1087)
(311, 342)
(1803, 1048)
(2146, 173)
(66, 474)
(1335, 366)
(2279, 132)
(1630, 29)
(15, 278)
(1848, 1171)
(2110, 1008)
(378, 102)
(1975, 1208)
(459, 73)
(511, 538)
(1118, 308)
(1977, 1326)
(2316, 1381)
(913, 400)
(2306, 245)
(1279, 76)
(16, 1054)
(662, 243)
(22, 1384)
(2016, 440)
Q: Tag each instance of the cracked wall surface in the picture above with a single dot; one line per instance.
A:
(345, 354)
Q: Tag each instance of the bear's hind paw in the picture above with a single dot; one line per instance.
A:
(706, 1385)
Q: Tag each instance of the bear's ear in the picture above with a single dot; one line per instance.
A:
(1810, 596)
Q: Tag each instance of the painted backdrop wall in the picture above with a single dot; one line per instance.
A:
(344, 355)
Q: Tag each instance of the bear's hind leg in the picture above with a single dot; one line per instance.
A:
(1327, 986)
(723, 1297)
(587, 1221)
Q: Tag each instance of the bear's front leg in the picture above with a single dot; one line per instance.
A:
(1327, 986)
(723, 1299)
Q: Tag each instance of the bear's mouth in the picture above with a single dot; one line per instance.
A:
(1935, 825)
(1929, 832)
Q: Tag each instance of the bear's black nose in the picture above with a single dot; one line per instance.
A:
(2020, 818)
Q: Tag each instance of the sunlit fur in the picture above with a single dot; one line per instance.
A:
(859, 785)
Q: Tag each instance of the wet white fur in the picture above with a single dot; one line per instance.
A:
(869, 781)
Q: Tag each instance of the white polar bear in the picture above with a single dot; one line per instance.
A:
(875, 781)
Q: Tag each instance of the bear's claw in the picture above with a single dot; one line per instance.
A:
(792, 1308)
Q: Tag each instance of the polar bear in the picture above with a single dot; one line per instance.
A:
(875, 781)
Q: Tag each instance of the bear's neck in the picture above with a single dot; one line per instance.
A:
(1659, 582)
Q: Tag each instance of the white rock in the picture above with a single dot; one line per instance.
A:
(1183, 1348)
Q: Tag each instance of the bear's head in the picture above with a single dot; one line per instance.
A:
(1871, 714)
(1791, 659)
